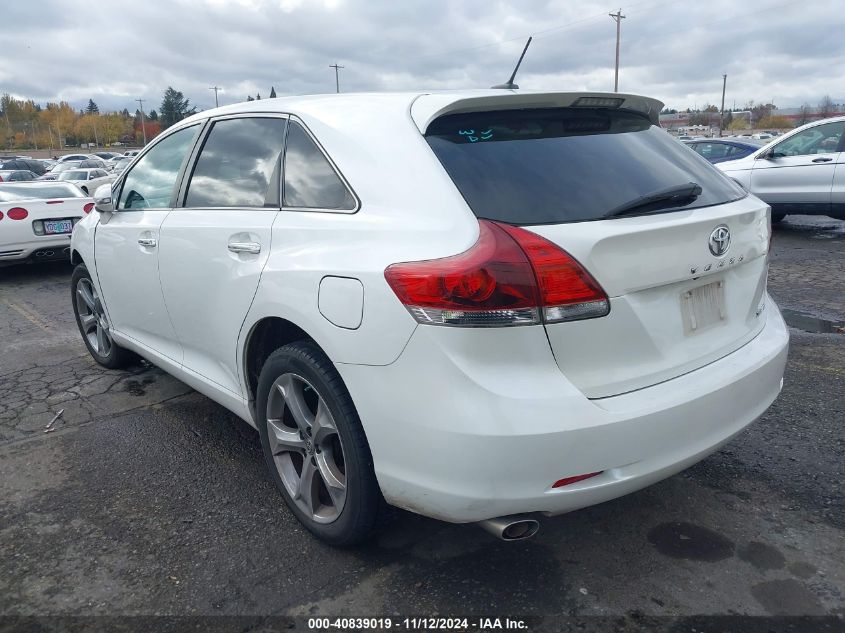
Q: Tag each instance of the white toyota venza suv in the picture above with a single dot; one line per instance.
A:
(482, 306)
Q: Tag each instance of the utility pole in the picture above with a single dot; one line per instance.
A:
(722, 111)
(617, 17)
(336, 79)
(215, 89)
(143, 125)
(34, 140)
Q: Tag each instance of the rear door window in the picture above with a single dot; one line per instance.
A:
(310, 180)
(239, 164)
(548, 166)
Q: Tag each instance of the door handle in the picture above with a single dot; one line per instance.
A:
(252, 248)
(826, 159)
(147, 241)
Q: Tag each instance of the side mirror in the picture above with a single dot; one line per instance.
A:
(103, 201)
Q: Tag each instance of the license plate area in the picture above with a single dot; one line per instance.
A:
(58, 227)
(703, 307)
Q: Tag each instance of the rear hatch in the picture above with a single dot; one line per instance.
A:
(680, 249)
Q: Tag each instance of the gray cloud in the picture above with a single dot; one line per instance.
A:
(676, 51)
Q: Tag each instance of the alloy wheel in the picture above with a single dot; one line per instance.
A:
(307, 448)
(92, 318)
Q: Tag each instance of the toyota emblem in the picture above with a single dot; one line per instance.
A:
(720, 240)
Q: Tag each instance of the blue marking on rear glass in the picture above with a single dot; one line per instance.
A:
(470, 134)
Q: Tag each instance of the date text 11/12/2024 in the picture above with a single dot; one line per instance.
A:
(417, 624)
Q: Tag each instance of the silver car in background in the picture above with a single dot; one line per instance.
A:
(802, 172)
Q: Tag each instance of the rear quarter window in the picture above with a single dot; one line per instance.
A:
(549, 166)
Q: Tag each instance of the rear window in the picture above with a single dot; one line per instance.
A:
(47, 190)
(548, 166)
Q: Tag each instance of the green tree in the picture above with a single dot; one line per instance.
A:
(153, 115)
(258, 97)
(272, 92)
(249, 98)
(174, 108)
(92, 107)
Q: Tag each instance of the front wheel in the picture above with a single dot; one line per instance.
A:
(93, 323)
(315, 446)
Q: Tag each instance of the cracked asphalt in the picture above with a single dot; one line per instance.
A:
(149, 499)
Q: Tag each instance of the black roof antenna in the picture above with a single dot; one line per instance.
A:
(510, 85)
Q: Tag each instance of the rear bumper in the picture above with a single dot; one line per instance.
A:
(46, 248)
(464, 436)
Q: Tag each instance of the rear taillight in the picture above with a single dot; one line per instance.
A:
(17, 213)
(1, 215)
(509, 277)
(88, 207)
(567, 290)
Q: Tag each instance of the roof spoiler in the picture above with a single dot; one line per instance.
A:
(428, 107)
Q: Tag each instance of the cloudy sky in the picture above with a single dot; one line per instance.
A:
(675, 50)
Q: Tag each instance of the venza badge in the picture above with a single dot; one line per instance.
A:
(720, 240)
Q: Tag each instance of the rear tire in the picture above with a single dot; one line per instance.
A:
(93, 323)
(315, 446)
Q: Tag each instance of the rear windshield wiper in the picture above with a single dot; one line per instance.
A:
(677, 196)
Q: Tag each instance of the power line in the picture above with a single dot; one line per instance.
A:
(542, 33)
(336, 78)
(617, 17)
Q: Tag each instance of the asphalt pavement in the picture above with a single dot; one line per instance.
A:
(149, 499)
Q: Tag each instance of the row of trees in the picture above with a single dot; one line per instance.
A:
(25, 124)
(760, 115)
(258, 96)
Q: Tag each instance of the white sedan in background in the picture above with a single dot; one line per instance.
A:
(37, 219)
(87, 179)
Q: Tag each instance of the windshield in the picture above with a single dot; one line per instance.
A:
(558, 165)
(65, 166)
(74, 175)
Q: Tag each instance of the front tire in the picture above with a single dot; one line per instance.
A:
(315, 446)
(93, 323)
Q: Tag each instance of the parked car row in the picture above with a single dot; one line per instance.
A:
(87, 171)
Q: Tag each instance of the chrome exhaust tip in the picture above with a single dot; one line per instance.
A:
(515, 527)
